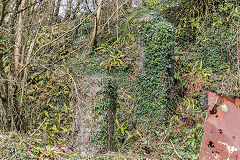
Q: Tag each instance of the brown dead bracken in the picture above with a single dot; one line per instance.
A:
(221, 139)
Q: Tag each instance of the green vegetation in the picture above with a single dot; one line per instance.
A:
(155, 92)
(121, 83)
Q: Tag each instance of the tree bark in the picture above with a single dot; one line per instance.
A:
(18, 42)
(4, 6)
(95, 30)
(51, 10)
(8, 14)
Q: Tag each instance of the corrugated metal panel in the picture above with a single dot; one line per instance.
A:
(221, 139)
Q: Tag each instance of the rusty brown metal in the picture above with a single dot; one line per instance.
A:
(221, 138)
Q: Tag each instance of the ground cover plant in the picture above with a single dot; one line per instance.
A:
(113, 79)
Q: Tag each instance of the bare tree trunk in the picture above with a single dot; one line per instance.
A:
(68, 9)
(18, 111)
(9, 15)
(3, 14)
(8, 95)
(18, 42)
(95, 30)
(51, 10)
(25, 74)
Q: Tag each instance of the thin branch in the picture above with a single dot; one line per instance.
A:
(111, 17)
(38, 127)
(175, 150)
(27, 59)
(55, 41)
(76, 89)
(29, 6)
(88, 6)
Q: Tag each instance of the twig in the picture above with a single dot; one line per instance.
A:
(163, 139)
(111, 17)
(175, 149)
(25, 74)
(38, 127)
(75, 85)
(71, 30)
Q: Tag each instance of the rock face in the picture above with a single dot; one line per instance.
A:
(221, 139)
(85, 123)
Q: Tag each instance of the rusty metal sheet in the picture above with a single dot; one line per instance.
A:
(221, 139)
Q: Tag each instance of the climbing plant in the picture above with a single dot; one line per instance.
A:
(155, 89)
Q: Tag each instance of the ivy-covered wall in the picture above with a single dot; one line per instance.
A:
(155, 91)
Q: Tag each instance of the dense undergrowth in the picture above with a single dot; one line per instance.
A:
(160, 111)
(155, 89)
